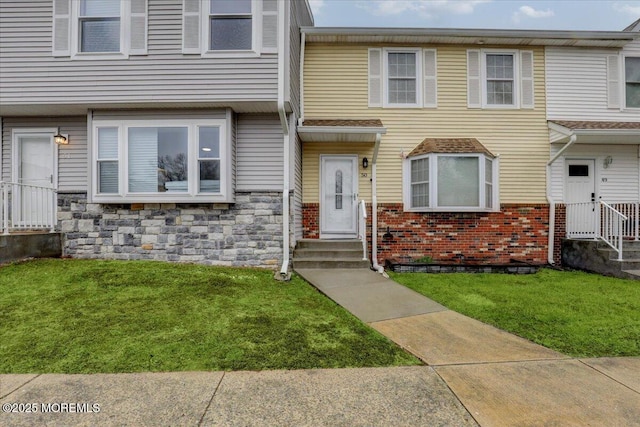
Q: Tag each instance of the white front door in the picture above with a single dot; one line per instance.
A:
(338, 196)
(580, 196)
(33, 165)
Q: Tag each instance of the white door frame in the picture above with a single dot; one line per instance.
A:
(582, 220)
(15, 151)
(355, 185)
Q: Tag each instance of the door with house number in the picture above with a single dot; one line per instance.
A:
(33, 166)
(580, 196)
(338, 197)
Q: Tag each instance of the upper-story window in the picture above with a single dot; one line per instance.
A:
(632, 81)
(500, 79)
(99, 26)
(402, 78)
(99, 29)
(229, 28)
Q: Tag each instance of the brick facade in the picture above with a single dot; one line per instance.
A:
(517, 232)
(246, 233)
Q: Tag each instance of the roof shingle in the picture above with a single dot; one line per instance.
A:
(593, 125)
(367, 123)
(450, 145)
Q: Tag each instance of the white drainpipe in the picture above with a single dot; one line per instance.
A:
(374, 209)
(552, 203)
(282, 34)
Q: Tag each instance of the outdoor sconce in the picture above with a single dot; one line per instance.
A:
(365, 163)
(387, 235)
(607, 162)
(60, 139)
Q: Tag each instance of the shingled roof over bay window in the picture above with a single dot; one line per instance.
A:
(451, 146)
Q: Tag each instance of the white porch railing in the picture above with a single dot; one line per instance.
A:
(27, 207)
(362, 227)
(603, 221)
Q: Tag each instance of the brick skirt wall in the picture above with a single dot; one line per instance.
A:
(518, 231)
(245, 233)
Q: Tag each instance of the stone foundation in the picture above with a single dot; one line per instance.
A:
(517, 232)
(245, 233)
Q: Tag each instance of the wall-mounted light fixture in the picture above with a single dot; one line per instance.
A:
(365, 163)
(607, 162)
(60, 139)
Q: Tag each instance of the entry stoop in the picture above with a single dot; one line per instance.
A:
(315, 253)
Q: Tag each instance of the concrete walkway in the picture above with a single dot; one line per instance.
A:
(501, 379)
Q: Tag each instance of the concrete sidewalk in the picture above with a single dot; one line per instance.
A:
(409, 396)
(501, 379)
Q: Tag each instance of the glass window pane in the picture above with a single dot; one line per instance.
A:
(500, 92)
(108, 143)
(209, 179)
(230, 6)
(402, 64)
(402, 91)
(488, 196)
(633, 95)
(488, 170)
(231, 33)
(100, 35)
(632, 69)
(420, 170)
(458, 181)
(100, 8)
(419, 195)
(209, 142)
(108, 177)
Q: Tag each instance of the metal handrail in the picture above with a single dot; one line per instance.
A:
(362, 227)
(27, 207)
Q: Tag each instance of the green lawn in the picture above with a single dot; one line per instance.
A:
(579, 314)
(86, 316)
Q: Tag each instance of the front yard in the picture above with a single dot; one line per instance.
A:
(87, 316)
(579, 314)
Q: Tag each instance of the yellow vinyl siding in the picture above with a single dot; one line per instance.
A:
(336, 86)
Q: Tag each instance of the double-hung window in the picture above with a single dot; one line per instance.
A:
(230, 25)
(632, 81)
(500, 79)
(402, 78)
(161, 161)
(99, 26)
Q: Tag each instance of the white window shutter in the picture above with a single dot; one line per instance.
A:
(138, 42)
(375, 77)
(613, 81)
(270, 25)
(191, 26)
(474, 79)
(430, 78)
(61, 28)
(527, 98)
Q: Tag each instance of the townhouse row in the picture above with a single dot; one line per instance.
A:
(225, 132)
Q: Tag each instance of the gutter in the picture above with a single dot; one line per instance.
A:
(552, 203)
(282, 113)
(374, 208)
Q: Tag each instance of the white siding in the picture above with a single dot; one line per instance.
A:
(72, 158)
(32, 76)
(577, 84)
(298, 16)
(297, 187)
(617, 183)
(259, 153)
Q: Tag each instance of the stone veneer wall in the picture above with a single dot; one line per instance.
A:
(518, 232)
(245, 233)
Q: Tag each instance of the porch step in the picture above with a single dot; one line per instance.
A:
(315, 253)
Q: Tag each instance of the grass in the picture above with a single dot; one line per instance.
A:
(88, 316)
(579, 314)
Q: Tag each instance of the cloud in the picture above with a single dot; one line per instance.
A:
(425, 8)
(627, 8)
(529, 12)
(316, 6)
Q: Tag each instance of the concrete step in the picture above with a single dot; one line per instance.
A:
(627, 253)
(329, 264)
(327, 245)
(335, 254)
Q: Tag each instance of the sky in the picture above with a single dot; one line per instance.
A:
(589, 15)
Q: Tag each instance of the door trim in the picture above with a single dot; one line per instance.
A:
(565, 175)
(15, 158)
(356, 186)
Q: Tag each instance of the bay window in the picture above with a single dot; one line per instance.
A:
(450, 182)
(161, 161)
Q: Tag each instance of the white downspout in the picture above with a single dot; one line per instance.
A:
(552, 203)
(303, 43)
(282, 34)
(374, 209)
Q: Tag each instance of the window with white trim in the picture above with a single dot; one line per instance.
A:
(161, 161)
(450, 182)
(500, 78)
(230, 25)
(632, 81)
(99, 28)
(402, 78)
